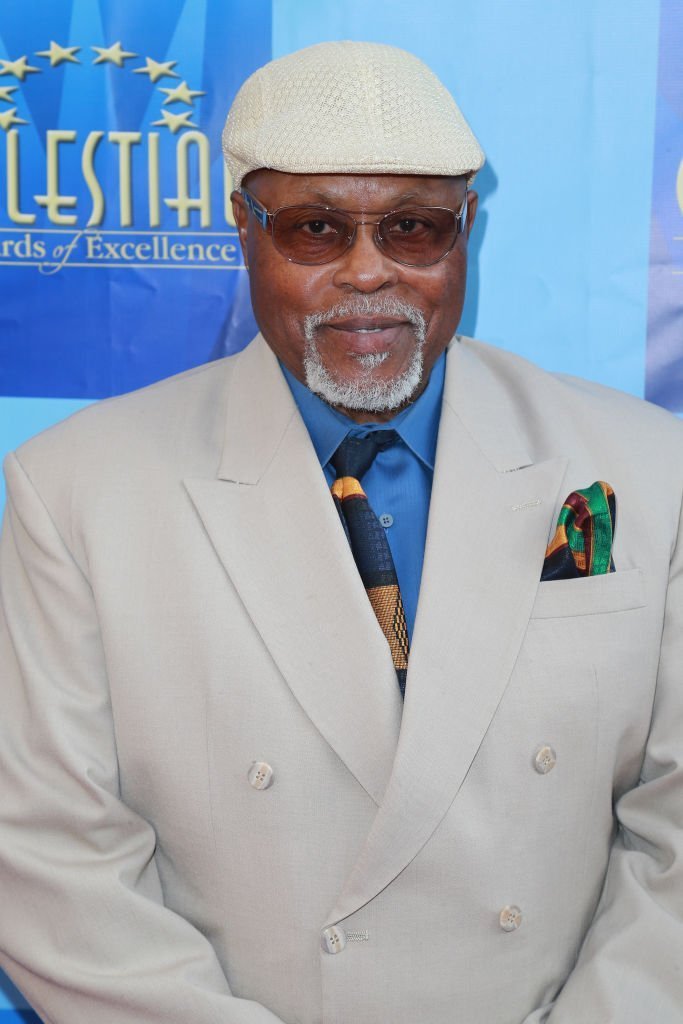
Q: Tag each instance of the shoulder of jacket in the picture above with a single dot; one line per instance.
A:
(163, 406)
(574, 398)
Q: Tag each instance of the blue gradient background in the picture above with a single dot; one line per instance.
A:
(563, 99)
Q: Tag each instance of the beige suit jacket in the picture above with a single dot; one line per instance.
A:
(179, 602)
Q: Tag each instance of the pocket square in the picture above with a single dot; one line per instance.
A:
(582, 545)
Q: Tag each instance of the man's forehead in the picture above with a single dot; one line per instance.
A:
(344, 189)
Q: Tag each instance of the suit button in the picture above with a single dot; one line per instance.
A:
(510, 918)
(260, 775)
(333, 939)
(544, 760)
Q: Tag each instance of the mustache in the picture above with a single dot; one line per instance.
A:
(368, 305)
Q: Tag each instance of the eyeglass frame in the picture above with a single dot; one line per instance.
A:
(266, 217)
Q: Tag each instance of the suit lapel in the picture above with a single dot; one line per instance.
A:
(274, 527)
(490, 517)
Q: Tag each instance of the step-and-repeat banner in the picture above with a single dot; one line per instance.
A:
(118, 252)
(119, 261)
(664, 379)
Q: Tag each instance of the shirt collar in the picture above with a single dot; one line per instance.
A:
(417, 425)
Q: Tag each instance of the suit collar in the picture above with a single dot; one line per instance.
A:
(260, 409)
(481, 394)
(475, 392)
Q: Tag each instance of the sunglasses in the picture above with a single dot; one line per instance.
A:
(418, 236)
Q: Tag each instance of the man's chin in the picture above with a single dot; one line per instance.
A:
(369, 390)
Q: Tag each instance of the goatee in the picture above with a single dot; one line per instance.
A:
(365, 393)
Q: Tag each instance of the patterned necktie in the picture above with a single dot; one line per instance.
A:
(368, 541)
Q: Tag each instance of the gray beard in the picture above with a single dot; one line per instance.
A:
(365, 394)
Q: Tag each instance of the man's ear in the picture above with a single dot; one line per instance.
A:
(472, 203)
(241, 215)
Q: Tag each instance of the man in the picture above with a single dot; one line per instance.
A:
(222, 796)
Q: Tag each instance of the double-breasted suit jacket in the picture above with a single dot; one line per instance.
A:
(214, 808)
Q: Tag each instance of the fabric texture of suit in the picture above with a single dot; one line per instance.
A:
(179, 600)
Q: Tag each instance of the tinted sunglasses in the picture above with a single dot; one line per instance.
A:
(417, 236)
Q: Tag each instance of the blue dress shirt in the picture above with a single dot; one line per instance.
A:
(399, 482)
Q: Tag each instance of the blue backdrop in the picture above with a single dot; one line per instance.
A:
(118, 263)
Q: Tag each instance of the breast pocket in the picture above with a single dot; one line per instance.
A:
(590, 595)
(595, 627)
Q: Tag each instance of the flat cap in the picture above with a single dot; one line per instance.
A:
(348, 108)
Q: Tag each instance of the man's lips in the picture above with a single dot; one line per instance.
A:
(363, 335)
(365, 323)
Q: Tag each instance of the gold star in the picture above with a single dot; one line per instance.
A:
(58, 54)
(157, 70)
(181, 94)
(19, 68)
(175, 121)
(5, 91)
(113, 54)
(7, 119)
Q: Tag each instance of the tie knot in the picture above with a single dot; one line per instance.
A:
(355, 455)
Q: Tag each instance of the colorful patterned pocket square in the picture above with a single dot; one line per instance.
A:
(582, 545)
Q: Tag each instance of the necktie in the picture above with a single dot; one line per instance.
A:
(368, 541)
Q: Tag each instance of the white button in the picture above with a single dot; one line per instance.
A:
(333, 939)
(386, 520)
(260, 775)
(544, 760)
(510, 918)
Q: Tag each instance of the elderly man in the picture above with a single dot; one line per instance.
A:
(246, 776)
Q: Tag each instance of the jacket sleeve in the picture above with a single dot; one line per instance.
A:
(630, 968)
(84, 932)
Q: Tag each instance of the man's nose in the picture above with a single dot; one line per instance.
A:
(364, 266)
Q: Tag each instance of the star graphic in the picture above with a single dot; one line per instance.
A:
(113, 54)
(181, 94)
(157, 70)
(58, 54)
(5, 91)
(20, 68)
(175, 121)
(7, 119)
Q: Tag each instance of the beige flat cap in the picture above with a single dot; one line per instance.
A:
(348, 108)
